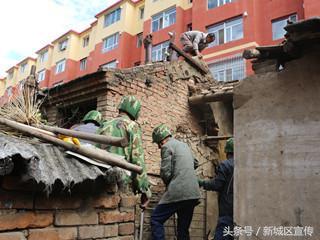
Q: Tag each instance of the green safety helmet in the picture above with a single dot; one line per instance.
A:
(130, 105)
(93, 116)
(160, 132)
(229, 146)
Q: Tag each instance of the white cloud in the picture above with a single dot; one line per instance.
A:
(27, 26)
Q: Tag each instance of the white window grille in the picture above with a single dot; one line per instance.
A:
(229, 69)
(159, 51)
(112, 17)
(218, 3)
(60, 66)
(278, 26)
(110, 42)
(163, 19)
(41, 75)
(227, 31)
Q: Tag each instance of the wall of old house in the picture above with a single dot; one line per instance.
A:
(26, 214)
(277, 147)
(163, 89)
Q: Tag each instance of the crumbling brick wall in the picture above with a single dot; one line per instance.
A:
(29, 215)
(163, 89)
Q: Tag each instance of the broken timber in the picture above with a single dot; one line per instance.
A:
(189, 59)
(95, 153)
(114, 141)
(211, 97)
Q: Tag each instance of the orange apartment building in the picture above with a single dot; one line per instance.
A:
(115, 38)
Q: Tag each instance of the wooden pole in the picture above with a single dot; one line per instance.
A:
(189, 59)
(96, 153)
(114, 141)
(213, 97)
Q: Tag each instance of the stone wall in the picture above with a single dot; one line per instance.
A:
(277, 148)
(26, 214)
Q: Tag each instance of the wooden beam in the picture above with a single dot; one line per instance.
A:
(212, 97)
(95, 153)
(216, 137)
(189, 59)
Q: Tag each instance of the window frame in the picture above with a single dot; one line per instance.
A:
(221, 31)
(23, 67)
(141, 13)
(139, 40)
(115, 62)
(85, 41)
(115, 16)
(279, 21)
(163, 19)
(63, 45)
(159, 51)
(43, 56)
(219, 3)
(83, 64)
(58, 64)
(114, 44)
(41, 73)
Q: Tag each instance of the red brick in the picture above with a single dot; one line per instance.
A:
(44, 202)
(69, 218)
(15, 200)
(107, 201)
(115, 217)
(128, 201)
(111, 230)
(126, 229)
(12, 236)
(91, 232)
(23, 220)
(53, 234)
(126, 238)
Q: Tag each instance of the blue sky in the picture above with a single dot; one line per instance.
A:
(27, 26)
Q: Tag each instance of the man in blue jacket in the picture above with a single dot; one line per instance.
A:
(182, 189)
(223, 184)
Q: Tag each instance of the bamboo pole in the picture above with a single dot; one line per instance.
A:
(114, 141)
(112, 159)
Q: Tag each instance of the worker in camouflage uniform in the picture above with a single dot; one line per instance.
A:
(125, 125)
(89, 124)
(177, 170)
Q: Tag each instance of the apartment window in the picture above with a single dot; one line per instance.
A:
(63, 45)
(227, 31)
(83, 64)
(189, 27)
(60, 66)
(159, 51)
(112, 64)
(110, 42)
(112, 17)
(41, 75)
(23, 67)
(141, 13)
(217, 3)
(10, 75)
(278, 26)
(229, 69)
(9, 91)
(43, 56)
(85, 41)
(139, 40)
(163, 19)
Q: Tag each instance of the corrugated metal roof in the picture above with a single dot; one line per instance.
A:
(46, 163)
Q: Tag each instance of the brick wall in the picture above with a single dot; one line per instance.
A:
(34, 216)
(163, 89)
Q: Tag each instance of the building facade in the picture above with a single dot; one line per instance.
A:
(115, 38)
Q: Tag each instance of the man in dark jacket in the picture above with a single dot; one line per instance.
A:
(182, 190)
(194, 42)
(223, 184)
